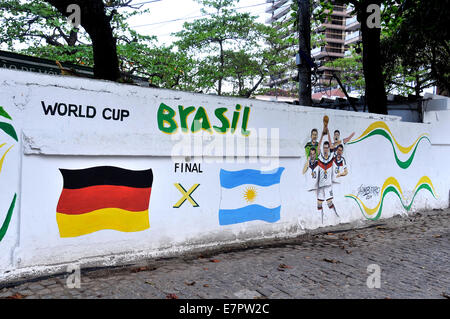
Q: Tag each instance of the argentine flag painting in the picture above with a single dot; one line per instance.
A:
(249, 195)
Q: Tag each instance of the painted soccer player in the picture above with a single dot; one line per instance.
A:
(313, 143)
(325, 183)
(339, 164)
(337, 140)
(312, 170)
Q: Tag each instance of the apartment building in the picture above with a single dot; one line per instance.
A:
(332, 46)
(338, 32)
(280, 11)
(352, 29)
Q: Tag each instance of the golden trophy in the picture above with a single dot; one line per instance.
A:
(326, 120)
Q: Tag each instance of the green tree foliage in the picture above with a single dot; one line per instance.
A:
(416, 45)
(350, 71)
(40, 28)
(414, 48)
(38, 25)
(224, 47)
(36, 28)
(162, 65)
(321, 11)
(230, 47)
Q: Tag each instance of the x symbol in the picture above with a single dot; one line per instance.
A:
(186, 195)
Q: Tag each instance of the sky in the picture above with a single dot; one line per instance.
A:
(161, 12)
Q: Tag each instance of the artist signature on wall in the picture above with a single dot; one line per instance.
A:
(368, 191)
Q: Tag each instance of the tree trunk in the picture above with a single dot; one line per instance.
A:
(418, 98)
(375, 91)
(222, 63)
(253, 89)
(97, 24)
(304, 37)
(106, 62)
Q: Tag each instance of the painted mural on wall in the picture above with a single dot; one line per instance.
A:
(11, 132)
(382, 129)
(325, 165)
(169, 122)
(101, 198)
(249, 195)
(212, 191)
(391, 185)
(186, 195)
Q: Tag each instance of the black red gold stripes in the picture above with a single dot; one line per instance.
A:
(88, 199)
(326, 166)
(106, 175)
(104, 197)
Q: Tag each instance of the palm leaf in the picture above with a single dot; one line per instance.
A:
(9, 129)
(4, 113)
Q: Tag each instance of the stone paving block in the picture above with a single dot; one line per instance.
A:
(44, 291)
(247, 294)
(35, 287)
(25, 292)
(413, 265)
(47, 282)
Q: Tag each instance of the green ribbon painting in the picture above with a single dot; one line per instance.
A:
(382, 129)
(391, 185)
(5, 224)
(9, 130)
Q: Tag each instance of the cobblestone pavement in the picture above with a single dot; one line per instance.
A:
(412, 252)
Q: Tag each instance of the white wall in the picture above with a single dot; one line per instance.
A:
(279, 133)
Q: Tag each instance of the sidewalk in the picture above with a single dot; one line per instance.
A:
(412, 253)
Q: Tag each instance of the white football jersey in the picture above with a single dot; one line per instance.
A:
(339, 166)
(312, 175)
(325, 170)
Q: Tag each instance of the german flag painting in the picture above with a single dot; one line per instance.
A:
(101, 198)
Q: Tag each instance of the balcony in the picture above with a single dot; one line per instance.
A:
(326, 69)
(275, 5)
(350, 21)
(350, 9)
(334, 38)
(353, 37)
(337, 11)
(315, 51)
(352, 24)
(318, 53)
(329, 25)
(279, 13)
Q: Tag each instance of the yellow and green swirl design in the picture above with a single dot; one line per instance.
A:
(381, 128)
(11, 132)
(391, 185)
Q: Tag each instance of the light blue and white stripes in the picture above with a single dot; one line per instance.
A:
(249, 195)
